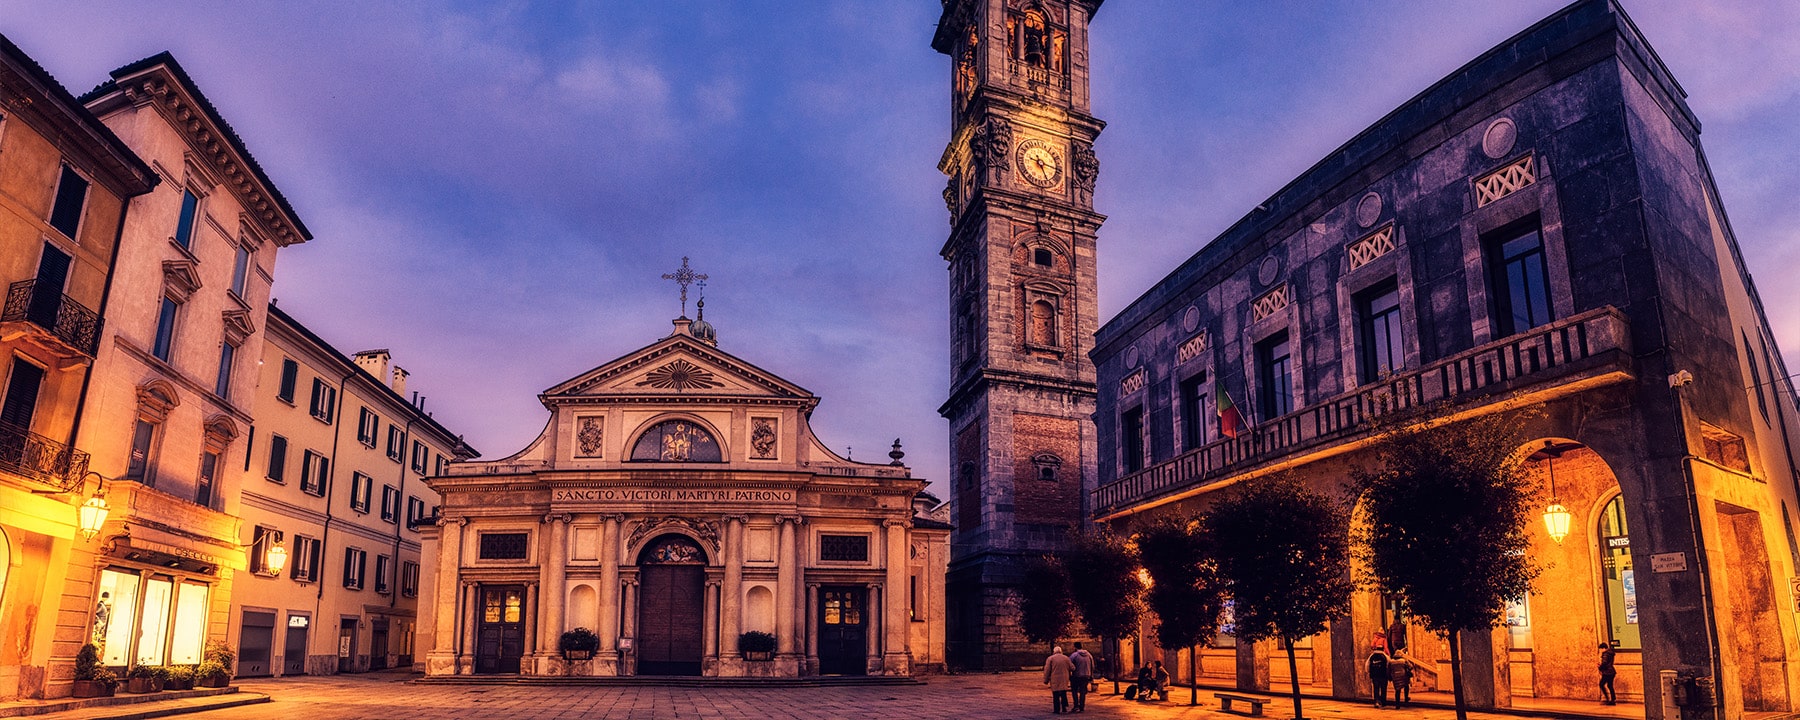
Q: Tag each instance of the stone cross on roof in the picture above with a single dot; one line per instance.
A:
(684, 277)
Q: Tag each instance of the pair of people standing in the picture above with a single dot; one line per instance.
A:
(1065, 673)
(1385, 670)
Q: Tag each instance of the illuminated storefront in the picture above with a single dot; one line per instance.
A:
(149, 618)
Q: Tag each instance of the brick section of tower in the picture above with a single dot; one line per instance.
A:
(1023, 305)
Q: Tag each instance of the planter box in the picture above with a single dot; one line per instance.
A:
(213, 682)
(91, 689)
(758, 656)
(174, 684)
(578, 655)
(141, 686)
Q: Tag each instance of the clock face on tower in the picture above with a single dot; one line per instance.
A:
(1039, 164)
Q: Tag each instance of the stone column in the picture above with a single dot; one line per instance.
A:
(554, 596)
(874, 624)
(534, 621)
(895, 658)
(630, 622)
(609, 587)
(448, 597)
(709, 641)
(731, 615)
(812, 627)
(465, 643)
(787, 581)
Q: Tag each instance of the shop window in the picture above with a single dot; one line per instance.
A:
(153, 621)
(115, 616)
(1378, 331)
(188, 638)
(844, 548)
(1275, 376)
(1517, 280)
(1131, 438)
(1617, 578)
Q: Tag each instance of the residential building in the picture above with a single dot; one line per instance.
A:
(334, 478)
(677, 499)
(65, 183)
(168, 407)
(1538, 229)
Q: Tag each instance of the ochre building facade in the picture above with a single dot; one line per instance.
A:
(676, 500)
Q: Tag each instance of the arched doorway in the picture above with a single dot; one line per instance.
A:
(671, 606)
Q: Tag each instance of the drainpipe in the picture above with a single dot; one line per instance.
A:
(400, 521)
(337, 431)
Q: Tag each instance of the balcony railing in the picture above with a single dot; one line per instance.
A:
(39, 458)
(60, 315)
(1560, 351)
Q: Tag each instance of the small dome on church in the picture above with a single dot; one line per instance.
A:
(701, 329)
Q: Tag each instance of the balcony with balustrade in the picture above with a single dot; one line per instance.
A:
(43, 316)
(39, 459)
(1570, 355)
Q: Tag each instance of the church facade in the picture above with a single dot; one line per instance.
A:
(1539, 229)
(676, 501)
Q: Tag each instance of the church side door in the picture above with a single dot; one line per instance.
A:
(500, 636)
(843, 631)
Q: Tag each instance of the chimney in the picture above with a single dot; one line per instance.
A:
(375, 362)
(399, 383)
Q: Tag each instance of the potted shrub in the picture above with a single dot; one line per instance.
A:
(181, 677)
(578, 644)
(756, 645)
(92, 679)
(141, 679)
(212, 674)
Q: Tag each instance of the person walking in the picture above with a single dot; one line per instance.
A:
(1083, 676)
(1377, 667)
(1400, 669)
(1607, 673)
(1057, 670)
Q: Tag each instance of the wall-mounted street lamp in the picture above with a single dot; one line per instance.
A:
(1556, 517)
(275, 556)
(92, 514)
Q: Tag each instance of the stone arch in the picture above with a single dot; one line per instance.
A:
(656, 530)
(713, 437)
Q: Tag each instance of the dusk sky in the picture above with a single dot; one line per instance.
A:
(497, 188)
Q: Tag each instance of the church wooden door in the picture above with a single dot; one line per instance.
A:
(500, 636)
(843, 631)
(671, 607)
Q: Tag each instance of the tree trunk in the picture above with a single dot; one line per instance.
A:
(1462, 711)
(1294, 677)
(1194, 675)
(1113, 662)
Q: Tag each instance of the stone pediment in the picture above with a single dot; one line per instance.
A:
(677, 366)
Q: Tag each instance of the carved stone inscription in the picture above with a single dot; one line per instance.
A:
(636, 495)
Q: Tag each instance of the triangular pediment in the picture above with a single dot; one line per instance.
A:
(678, 366)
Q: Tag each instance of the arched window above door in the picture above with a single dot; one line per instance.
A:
(676, 441)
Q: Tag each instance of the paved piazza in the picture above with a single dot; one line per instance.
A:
(385, 696)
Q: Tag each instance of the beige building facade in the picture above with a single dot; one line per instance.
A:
(334, 479)
(677, 499)
(65, 183)
(168, 408)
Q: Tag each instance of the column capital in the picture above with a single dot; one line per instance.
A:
(448, 520)
(612, 517)
(896, 522)
(813, 585)
(739, 519)
(795, 520)
(558, 518)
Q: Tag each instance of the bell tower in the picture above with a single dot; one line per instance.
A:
(1023, 308)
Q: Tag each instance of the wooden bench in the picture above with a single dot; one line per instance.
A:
(1226, 699)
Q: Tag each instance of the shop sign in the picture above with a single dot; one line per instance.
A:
(297, 621)
(1668, 562)
(1618, 542)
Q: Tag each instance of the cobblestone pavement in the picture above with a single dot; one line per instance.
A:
(384, 696)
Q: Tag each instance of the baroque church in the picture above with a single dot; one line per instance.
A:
(679, 507)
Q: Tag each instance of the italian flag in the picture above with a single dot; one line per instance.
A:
(1231, 422)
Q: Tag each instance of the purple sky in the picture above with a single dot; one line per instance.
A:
(497, 188)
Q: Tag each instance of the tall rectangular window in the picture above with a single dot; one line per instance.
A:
(222, 384)
(367, 424)
(390, 503)
(290, 376)
(261, 539)
(165, 329)
(203, 487)
(415, 510)
(1275, 375)
(418, 457)
(1518, 281)
(277, 458)
(324, 400)
(184, 227)
(1756, 381)
(1131, 439)
(138, 466)
(1378, 331)
(355, 562)
(306, 558)
(22, 395)
(384, 566)
(396, 443)
(1194, 417)
(240, 270)
(362, 489)
(409, 578)
(315, 473)
(71, 196)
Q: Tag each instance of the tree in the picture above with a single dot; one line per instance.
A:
(1447, 513)
(1284, 554)
(1105, 587)
(1046, 612)
(1185, 592)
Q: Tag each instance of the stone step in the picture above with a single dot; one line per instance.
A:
(137, 707)
(672, 681)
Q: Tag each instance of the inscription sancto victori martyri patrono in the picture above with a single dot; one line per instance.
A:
(635, 495)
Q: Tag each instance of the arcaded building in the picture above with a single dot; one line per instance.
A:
(1538, 229)
(676, 499)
